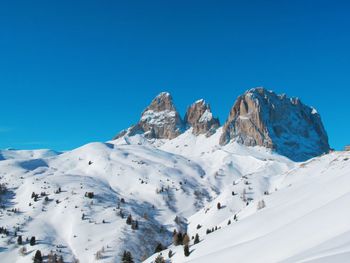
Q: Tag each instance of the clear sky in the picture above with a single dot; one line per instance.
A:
(72, 72)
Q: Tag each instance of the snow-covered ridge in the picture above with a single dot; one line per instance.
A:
(177, 178)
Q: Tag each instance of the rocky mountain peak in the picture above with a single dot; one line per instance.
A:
(264, 118)
(200, 118)
(160, 120)
(162, 102)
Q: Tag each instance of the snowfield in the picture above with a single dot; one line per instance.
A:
(306, 219)
(304, 210)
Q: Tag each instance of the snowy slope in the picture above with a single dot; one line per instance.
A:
(306, 219)
(158, 180)
(130, 172)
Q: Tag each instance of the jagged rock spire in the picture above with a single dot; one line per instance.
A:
(160, 120)
(200, 118)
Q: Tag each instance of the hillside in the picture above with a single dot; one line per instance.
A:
(156, 184)
(305, 220)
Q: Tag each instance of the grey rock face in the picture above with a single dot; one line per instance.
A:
(261, 117)
(160, 120)
(200, 118)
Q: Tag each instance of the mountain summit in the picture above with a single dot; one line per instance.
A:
(258, 118)
(160, 120)
(200, 118)
(286, 125)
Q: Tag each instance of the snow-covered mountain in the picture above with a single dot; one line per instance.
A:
(247, 203)
(258, 118)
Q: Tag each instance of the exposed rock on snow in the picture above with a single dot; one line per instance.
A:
(261, 117)
(160, 120)
(200, 118)
(258, 118)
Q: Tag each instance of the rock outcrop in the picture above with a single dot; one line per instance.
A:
(286, 125)
(258, 118)
(200, 118)
(160, 120)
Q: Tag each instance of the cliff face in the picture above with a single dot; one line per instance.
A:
(200, 118)
(286, 125)
(258, 118)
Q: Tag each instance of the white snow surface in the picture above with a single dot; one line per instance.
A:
(306, 218)
(206, 116)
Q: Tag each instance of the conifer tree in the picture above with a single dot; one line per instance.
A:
(129, 220)
(19, 240)
(38, 257)
(159, 259)
(186, 250)
(32, 241)
(196, 239)
(159, 248)
(127, 257)
(186, 239)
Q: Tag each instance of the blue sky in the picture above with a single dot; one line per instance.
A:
(72, 72)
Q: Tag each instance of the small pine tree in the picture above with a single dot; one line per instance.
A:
(135, 225)
(196, 239)
(186, 251)
(159, 259)
(177, 239)
(19, 240)
(159, 248)
(129, 220)
(186, 239)
(32, 241)
(229, 222)
(38, 257)
(170, 253)
(127, 257)
(218, 205)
